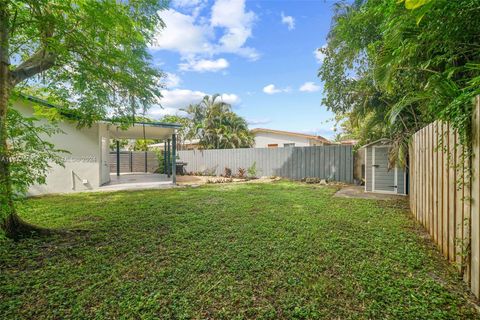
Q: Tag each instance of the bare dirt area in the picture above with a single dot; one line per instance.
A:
(201, 180)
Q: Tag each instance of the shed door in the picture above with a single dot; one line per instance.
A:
(383, 177)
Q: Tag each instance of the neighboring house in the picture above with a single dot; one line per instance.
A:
(349, 142)
(268, 138)
(87, 165)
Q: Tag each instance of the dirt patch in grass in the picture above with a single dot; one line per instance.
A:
(201, 180)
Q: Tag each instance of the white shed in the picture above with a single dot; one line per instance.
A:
(379, 176)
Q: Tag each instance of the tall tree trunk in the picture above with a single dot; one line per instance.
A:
(7, 208)
(11, 223)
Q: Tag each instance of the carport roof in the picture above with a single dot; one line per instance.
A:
(140, 130)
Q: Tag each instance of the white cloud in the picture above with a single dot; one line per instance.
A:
(194, 37)
(237, 24)
(319, 55)
(172, 80)
(204, 65)
(187, 3)
(179, 98)
(272, 89)
(157, 112)
(194, 7)
(309, 87)
(231, 98)
(173, 100)
(183, 34)
(289, 21)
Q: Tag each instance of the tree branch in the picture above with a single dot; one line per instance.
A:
(40, 61)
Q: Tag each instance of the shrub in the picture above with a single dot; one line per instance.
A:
(161, 164)
(252, 170)
(227, 173)
(219, 180)
(312, 180)
(241, 173)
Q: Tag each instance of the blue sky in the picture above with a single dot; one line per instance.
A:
(260, 55)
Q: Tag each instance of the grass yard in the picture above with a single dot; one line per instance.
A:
(247, 251)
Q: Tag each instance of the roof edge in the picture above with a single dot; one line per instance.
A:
(375, 142)
(298, 134)
(111, 121)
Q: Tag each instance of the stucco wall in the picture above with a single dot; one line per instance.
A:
(82, 165)
(263, 139)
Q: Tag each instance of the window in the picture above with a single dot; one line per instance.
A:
(273, 145)
(289, 145)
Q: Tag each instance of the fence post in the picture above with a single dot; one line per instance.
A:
(475, 202)
(174, 160)
(168, 158)
(131, 161)
(118, 158)
(145, 160)
(165, 157)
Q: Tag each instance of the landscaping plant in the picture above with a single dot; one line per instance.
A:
(252, 170)
(227, 173)
(241, 173)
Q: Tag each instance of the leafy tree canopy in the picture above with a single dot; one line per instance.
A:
(89, 57)
(393, 66)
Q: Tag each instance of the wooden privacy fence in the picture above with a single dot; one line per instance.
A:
(325, 162)
(134, 161)
(445, 194)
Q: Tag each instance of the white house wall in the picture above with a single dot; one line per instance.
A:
(82, 164)
(263, 139)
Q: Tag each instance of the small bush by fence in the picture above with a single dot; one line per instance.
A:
(333, 162)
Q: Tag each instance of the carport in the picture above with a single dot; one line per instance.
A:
(142, 131)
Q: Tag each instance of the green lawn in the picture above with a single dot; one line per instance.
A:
(248, 251)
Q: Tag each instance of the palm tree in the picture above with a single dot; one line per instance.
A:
(216, 125)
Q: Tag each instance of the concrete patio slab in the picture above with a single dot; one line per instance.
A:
(358, 192)
(136, 181)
